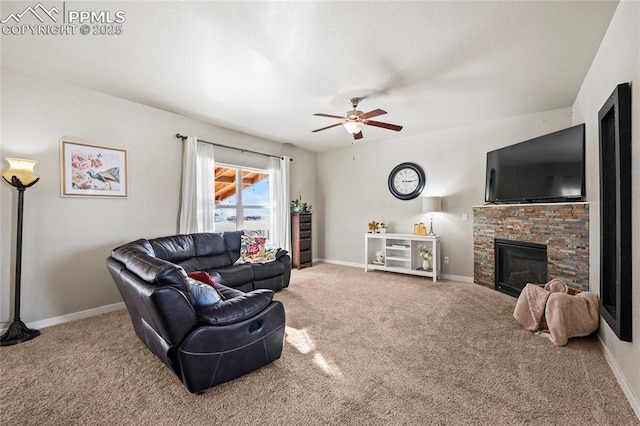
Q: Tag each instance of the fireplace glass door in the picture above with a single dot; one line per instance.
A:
(519, 263)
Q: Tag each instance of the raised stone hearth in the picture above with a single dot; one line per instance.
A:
(563, 227)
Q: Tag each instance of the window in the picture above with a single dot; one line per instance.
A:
(242, 199)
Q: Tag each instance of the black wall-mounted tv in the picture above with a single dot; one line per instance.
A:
(546, 169)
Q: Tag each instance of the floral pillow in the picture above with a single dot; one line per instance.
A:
(255, 249)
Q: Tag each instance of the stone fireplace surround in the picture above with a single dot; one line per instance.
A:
(563, 227)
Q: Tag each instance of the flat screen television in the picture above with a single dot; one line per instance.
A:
(546, 169)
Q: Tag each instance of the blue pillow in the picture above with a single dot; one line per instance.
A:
(203, 294)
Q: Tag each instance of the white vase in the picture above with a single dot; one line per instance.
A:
(425, 264)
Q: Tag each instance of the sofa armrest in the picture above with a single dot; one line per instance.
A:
(284, 257)
(171, 313)
(235, 310)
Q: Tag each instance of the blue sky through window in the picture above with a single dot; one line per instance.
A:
(257, 194)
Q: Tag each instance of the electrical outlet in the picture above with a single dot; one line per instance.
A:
(465, 216)
(446, 259)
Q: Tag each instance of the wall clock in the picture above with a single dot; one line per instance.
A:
(406, 181)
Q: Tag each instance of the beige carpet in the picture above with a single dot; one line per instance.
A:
(362, 349)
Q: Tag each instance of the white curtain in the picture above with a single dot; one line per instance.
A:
(198, 198)
(280, 202)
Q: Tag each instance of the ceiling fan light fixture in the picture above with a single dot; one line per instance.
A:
(354, 120)
(353, 127)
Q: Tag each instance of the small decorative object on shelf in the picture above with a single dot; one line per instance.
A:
(299, 206)
(425, 254)
(382, 228)
(379, 258)
(419, 229)
(373, 226)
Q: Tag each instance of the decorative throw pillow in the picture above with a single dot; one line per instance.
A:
(203, 294)
(204, 277)
(255, 249)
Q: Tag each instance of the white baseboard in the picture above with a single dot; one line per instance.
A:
(342, 263)
(633, 400)
(72, 317)
(458, 278)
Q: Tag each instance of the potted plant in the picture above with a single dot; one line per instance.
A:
(299, 206)
(382, 228)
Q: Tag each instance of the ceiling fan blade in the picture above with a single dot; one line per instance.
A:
(328, 127)
(384, 125)
(358, 135)
(329, 115)
(374, 113)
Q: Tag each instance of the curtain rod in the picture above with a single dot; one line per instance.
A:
(179, 136)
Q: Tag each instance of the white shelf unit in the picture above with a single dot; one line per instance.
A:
(401, 253)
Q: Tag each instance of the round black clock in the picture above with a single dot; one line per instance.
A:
(406, 181)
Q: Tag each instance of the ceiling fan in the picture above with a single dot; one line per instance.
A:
(355, 120)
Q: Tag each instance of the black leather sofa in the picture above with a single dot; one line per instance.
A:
(203, 346)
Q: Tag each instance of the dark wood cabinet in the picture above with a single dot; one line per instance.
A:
(301, 242)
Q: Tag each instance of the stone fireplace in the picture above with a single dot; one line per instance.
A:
(563, 228)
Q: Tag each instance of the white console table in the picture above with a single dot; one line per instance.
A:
(401, 253)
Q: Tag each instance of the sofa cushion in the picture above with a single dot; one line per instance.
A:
(232, 243)
(204, 277)
(237, 309)
(137, 259)
(235, 275)
(131, 249)
(205, 263)
(230, 293)
(209, 244)
(211, 253)
(203, 295)
(263, 271)
(174, 249)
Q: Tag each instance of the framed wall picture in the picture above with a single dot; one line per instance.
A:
(93, 171)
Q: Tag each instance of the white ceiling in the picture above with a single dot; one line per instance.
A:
(264, 68)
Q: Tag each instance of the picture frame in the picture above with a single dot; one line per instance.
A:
(93, 171)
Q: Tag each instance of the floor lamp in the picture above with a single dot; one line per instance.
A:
(21, 176)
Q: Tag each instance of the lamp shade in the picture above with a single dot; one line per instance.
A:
(353, 127)
(431, 204)
(21, 169)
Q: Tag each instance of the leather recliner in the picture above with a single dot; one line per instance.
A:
(206, 346)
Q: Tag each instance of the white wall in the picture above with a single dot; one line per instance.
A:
(352, 181)
(66, 240)
(617, 61)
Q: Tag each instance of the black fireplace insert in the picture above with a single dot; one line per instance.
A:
(519, 263)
